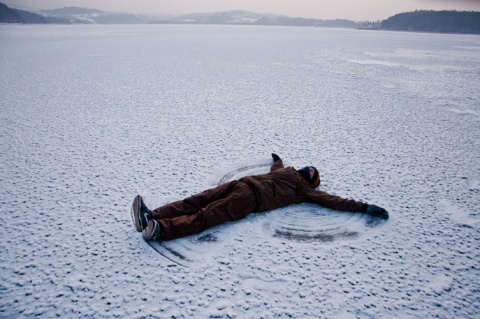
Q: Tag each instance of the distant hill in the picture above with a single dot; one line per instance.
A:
(93, 16)
(434, 21)
(251, 18)
(68, 16)
(303, 22)
(8, 15)
(229, 17)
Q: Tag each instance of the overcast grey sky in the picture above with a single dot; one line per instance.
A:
(357, 10)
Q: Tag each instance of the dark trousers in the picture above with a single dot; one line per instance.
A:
(224, 203)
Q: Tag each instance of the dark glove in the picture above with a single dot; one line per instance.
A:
(275, 157)
(376, 211)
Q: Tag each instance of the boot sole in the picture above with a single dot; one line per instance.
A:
(135, 212)
(148, 231)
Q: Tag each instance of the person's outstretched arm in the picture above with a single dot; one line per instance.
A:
(335, 202)
(343, 204)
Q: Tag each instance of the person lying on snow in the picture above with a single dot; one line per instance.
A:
(237, 199)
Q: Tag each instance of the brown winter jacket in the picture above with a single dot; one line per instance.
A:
(285, 186)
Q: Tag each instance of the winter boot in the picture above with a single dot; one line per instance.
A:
(153, 231)
(140, 213)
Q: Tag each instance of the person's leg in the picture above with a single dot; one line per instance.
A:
(192, 204)
(237, 204)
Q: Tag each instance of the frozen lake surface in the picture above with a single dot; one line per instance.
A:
(93, 115)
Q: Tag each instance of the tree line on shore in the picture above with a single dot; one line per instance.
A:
(434, 21)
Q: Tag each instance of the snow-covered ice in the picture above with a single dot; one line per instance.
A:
(93, 115)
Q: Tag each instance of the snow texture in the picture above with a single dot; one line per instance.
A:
(93, 115)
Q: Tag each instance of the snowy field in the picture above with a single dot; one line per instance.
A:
(93, 115)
